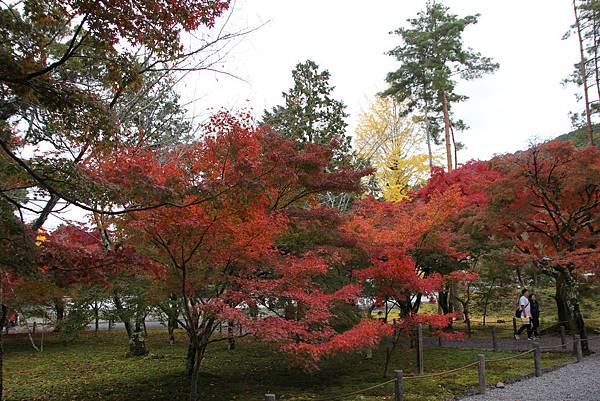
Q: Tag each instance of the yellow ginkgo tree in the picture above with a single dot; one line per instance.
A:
(392, 142)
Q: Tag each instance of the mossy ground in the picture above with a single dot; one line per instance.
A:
(95, 368)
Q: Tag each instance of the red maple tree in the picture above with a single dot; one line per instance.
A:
(227, 199)
(547, 202)
(389, 233)
(455, 245)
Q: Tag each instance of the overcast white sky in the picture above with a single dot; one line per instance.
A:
(523, 99)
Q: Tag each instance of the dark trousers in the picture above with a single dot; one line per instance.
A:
(536, 325)
(523, 327)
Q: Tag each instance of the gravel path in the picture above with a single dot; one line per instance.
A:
(575, 382)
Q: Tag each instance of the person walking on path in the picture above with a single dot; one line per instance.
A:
(524, 312)
(535, 315)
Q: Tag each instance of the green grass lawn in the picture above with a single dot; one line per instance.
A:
(95, 368)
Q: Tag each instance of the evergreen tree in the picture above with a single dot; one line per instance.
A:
(432, 55)
(310, 114)
(586, 74)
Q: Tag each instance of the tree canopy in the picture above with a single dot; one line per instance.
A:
(432, 56)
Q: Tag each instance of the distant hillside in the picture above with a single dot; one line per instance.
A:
(579, 137)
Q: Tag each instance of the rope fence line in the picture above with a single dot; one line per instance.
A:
(416, 377)
(480, 363)
(411, 377)
(557, 346)
(337, 397)
(510, 357)
(445, 373)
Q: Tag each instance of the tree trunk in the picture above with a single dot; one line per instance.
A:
(195, 373)
(171, 326)
(454, 146)
(417, 305)
(171, 332)
(406, 308)
(135, 331)
(289, 312)
(196, 351)
(301, 311)
(190, 358)
(59, 308)
(386, 311)
(447, 130)
(231, 336)
(96, 317)
(428, 136)
(596, 55)
(561, 307)
(137, 339)
(456, 305)
(388, 356)
(567, 295)
(137, 344)
(583, 73)
(487, 301)
(520, 276)
(443, 302)
(370, 311)
(50, 205)
(391, 344)
(467, 320)
(171, 309)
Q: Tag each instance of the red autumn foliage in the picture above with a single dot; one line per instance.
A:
(548, 202)
(157, 24)
(365, 334)
(225, 201)
(75, 255)
(389, 232)
(471, 180)
(234, 156)
(542, 206)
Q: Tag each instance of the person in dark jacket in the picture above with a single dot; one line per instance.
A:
(535, 315)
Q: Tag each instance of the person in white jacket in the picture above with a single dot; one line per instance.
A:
(524, 312)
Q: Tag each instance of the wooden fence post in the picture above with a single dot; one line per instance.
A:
(578, 352)
(241, 330)
(399, 386)
(494, 339)
(34, 327)
(537, 360)
(563, 337)
(440, 341)
(481, 371)
(420, 364)
(514, 325)
(269, 397)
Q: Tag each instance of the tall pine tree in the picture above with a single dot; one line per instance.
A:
(586, 74)
(432, 56)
